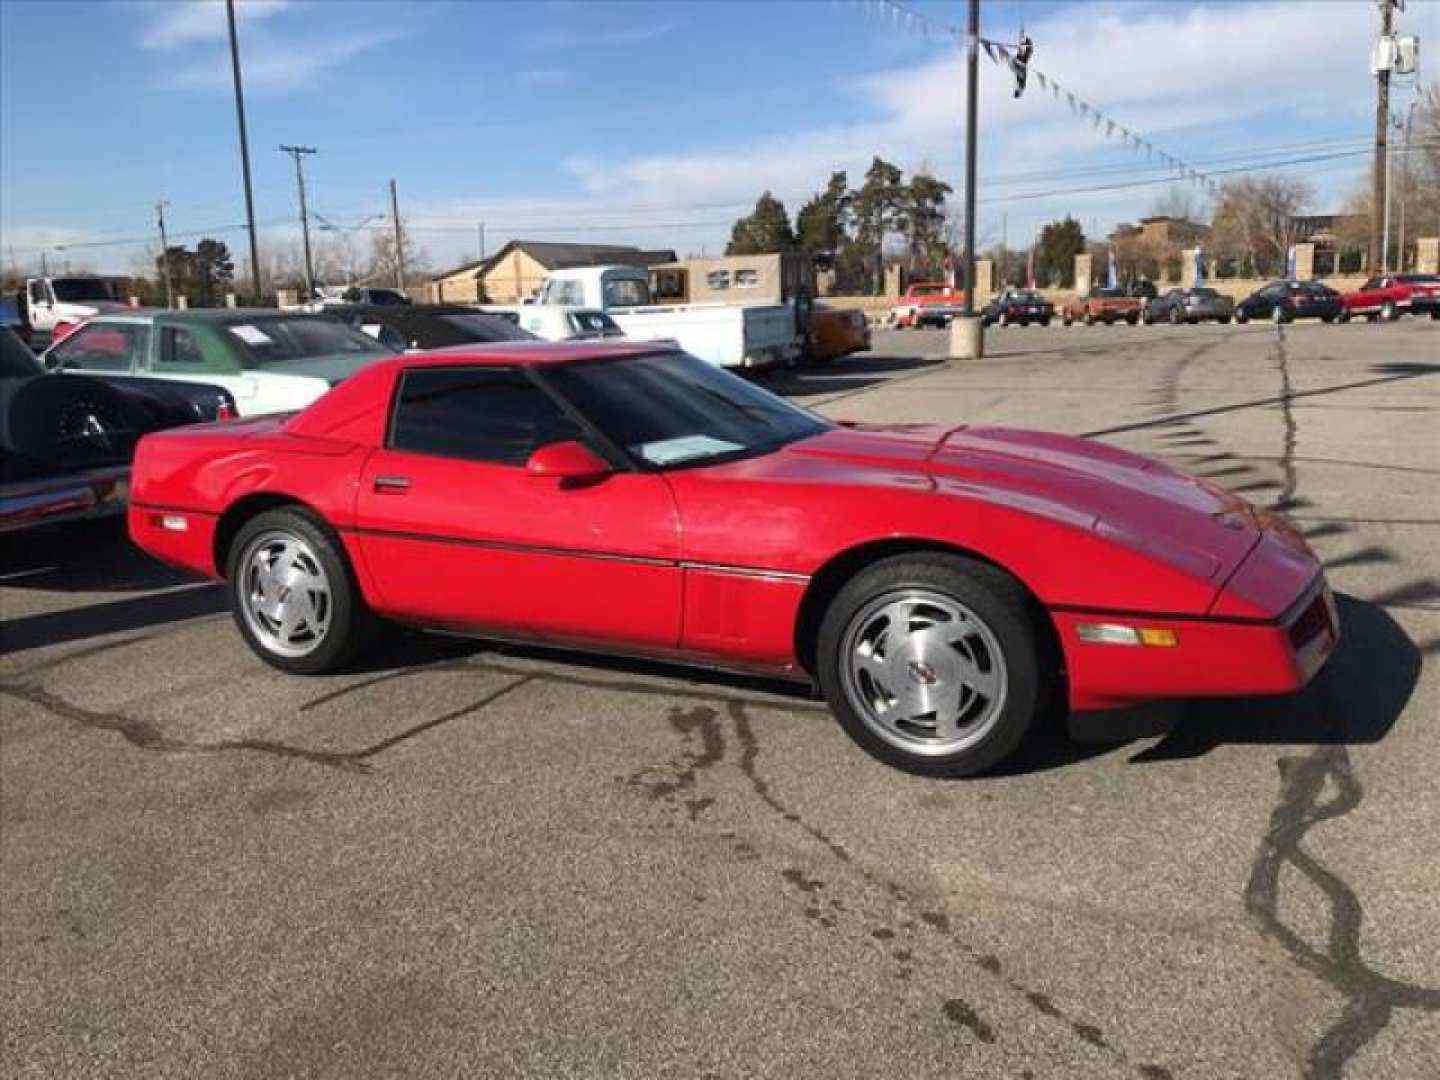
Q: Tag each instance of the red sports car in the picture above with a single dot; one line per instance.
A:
(937, 582)
(1389, 296)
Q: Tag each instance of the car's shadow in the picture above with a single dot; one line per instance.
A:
(1355, 700)
(849, 373)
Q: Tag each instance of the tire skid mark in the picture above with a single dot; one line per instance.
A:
(146, 735)
(703, 749)
(1369, 997)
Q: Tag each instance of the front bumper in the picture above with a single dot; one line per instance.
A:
(1215, 656)
(53, 500)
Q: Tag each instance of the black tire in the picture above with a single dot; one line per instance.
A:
(1089, 319)
(1389, 312)
(1133, 318)
(1435, 314)
(72, 421)
(1046, 321)
(1065, 320)
(1005, 609)
(352, 626)
(1343, 317)
(1148, 317)
(1242, 316)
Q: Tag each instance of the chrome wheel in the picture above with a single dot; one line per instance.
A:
(284, 594)
(923, 671)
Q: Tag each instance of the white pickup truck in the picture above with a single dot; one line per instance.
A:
(727, 335)
(49, 302)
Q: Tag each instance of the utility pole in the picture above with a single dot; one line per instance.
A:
(480, 235)
(1004, 247)
(1385, 216)
(44, 264)
(297, 152)
(399, 240)
(1382, 139)
(165, 254)
(255, 288)
(966, 334)
(1404, 182)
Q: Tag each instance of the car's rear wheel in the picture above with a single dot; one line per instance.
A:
(932, 663)
(1343, 317)
(293, 595)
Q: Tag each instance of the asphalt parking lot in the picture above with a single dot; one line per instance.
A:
(475, 861)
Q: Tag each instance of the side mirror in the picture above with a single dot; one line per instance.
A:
(568, 461)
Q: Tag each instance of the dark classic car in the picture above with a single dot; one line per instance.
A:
(66, 440)
(428, 326)
(1017, 307)
(1190, 306)
(1287, 300)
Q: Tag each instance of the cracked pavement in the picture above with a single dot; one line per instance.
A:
(467, 860)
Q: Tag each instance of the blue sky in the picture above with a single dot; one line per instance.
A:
(650, 123)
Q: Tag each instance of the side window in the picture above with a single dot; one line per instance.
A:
(104, 347)
(717, 280)
(494, 415)
(747, 279)
(179, 351)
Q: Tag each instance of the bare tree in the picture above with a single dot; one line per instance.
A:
(1254, 223)
(1179, 202)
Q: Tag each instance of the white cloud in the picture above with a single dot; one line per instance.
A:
(567, 39)
(544, 77)
(173, 24)
(274, 66)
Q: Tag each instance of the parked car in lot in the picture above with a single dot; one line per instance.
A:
(927, 303)
(66, 442)
(935, 580)
(428, 326)
(555, 323)
(270, 361)
(1284, 301)
(836, 332)
(1190, 306)
(1102, 305)
(48, 304)
(1018, 307)
(1391, 295)
(727, 335)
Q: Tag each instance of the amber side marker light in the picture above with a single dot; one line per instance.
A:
(1156, 637)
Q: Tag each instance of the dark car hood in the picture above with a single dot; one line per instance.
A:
(1135, 501)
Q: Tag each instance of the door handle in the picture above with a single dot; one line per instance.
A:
(392, 483)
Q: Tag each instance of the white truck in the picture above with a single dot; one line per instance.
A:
(727, 335)
(48, 302)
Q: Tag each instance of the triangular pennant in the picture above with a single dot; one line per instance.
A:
(990, 52)
(1040, 78)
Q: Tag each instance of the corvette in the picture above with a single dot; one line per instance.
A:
(937, 582)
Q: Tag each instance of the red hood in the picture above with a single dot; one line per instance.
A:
(1134, 501)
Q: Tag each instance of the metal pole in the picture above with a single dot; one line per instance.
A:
(480, 235)
(165, 255)
(255, 288)
(971, 134)
(399, 240)
(297, 152)
(1404, 183)
(44, 264)
(1385, 216)
(1382, 140)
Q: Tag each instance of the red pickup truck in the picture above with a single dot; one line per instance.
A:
(1391, 295)
(927, 303)
(1102, 305)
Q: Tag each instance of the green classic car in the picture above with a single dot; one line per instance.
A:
(270, 361)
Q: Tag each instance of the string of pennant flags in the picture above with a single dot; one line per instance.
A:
(908, 20)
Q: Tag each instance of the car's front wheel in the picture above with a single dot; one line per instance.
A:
(932, 663)
(1389, 313)
(293, 595)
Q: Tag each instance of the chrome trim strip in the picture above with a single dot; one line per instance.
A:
(576, 553)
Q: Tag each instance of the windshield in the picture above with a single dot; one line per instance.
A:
(266, 341)
(77, 290)
(486, 327)
(626, 292)
(670, 409)
(16, 361)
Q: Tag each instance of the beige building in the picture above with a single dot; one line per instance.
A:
(517, 270)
